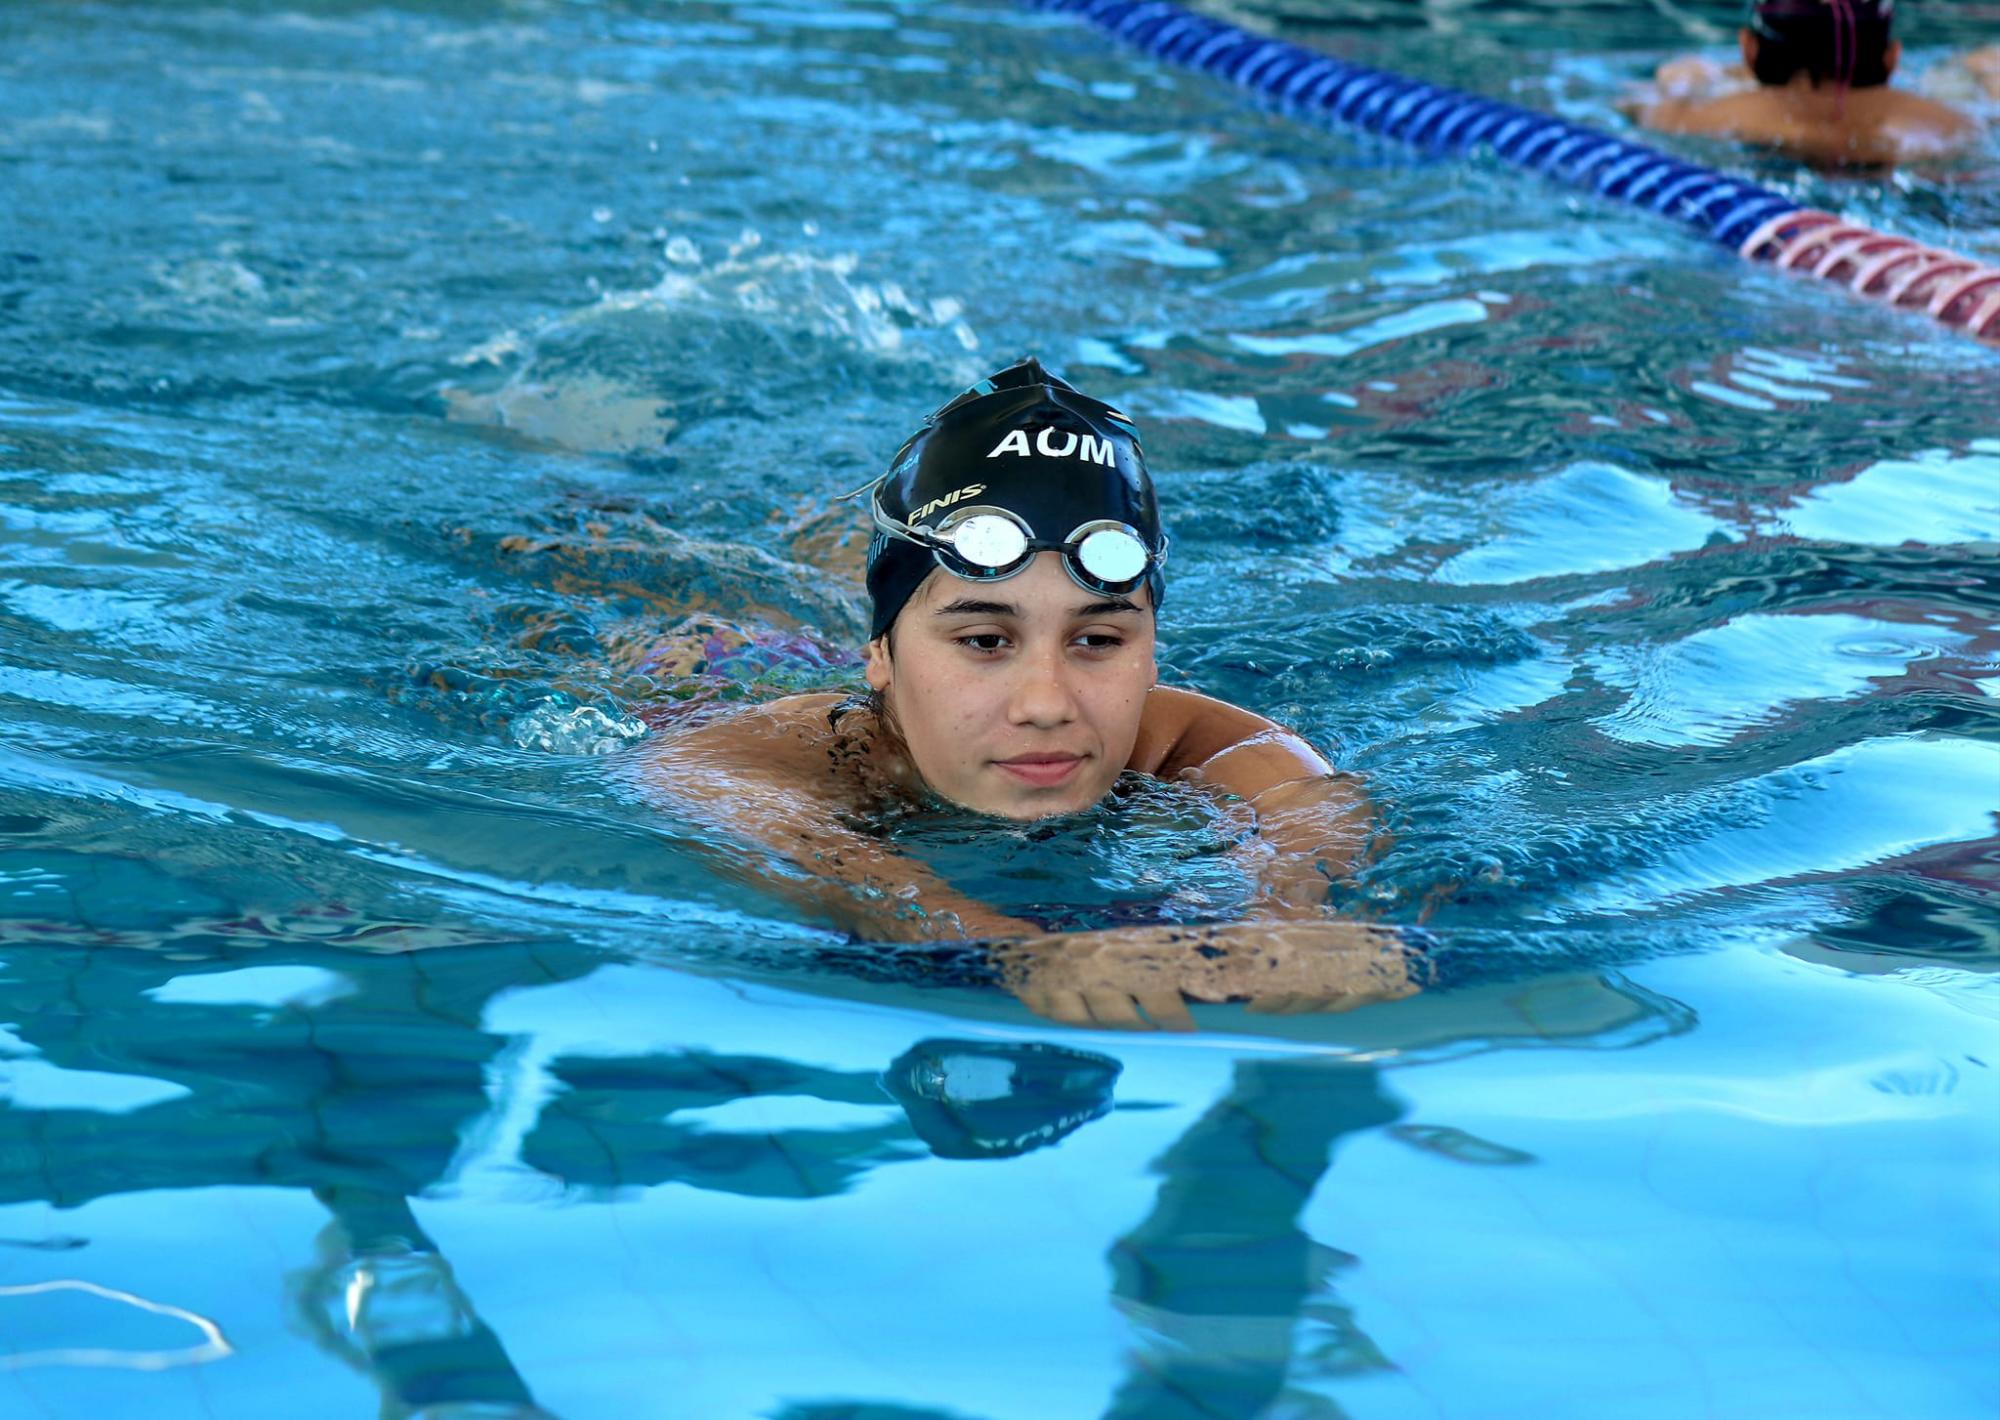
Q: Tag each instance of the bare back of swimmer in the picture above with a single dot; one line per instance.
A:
(1821, 71)
(1015, 577)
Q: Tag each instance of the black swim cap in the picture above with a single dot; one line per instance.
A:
(1839, 41)
(1025, 441)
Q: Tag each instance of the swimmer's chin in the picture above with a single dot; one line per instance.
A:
(1031, 811)
(1027, 814)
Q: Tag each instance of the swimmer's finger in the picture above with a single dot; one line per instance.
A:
(1065, 1006)
(1115, 1008)
(1349, 1000)
(1166, 1009)
(1294, 1003)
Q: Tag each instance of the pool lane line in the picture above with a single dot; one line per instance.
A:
(1756, 222)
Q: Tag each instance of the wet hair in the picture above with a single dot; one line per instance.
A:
(1842, 42)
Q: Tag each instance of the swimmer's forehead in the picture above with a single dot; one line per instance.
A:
(984, 604)
(943, 595)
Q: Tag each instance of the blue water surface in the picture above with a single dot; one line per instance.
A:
(407, 411)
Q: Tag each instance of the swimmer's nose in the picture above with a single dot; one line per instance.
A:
(1041, 694)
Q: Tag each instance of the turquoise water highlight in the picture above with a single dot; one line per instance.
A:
(403, 410)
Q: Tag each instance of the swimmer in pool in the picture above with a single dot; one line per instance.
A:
(1815, 84)
(1015, 573)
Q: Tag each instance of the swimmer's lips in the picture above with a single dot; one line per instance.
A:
(1043, 771)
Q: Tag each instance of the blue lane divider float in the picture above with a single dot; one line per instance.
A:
(1758, 223)
(1437, 119)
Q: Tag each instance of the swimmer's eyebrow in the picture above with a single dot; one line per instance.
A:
(967, 606)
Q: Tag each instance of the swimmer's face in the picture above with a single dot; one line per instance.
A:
(1020, 697)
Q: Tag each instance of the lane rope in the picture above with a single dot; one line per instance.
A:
(1758, 223)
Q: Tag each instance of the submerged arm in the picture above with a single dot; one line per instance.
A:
(748, 782)
(1313, 822)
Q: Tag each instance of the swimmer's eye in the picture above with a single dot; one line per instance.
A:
(992, 642)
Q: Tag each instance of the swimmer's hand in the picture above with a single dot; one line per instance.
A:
(1984, 65)
(1120, 978)
(1681, 84)
(1141, 978)
(1971, 78)
(1696, 77)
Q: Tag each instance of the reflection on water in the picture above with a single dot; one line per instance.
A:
(1218, 1275)
(362, 1079)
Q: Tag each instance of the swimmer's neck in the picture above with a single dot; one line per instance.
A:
(1805, 87)
(885, 766)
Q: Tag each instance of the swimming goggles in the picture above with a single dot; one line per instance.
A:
(986, 544)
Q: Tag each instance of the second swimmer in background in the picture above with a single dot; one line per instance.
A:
(1815, 84)
(1015, 575)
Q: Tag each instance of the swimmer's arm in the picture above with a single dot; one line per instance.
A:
(1716, 115)
(877, 894)
(1662, 115)
(835, 872)
(1125, 978)
(1313, 822)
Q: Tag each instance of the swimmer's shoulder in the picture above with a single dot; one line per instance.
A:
(774, 737)
(1183, 728)
(1754, 115)
(1868, 127)
(1768, 118)
(1882, 127)
(1920, 127)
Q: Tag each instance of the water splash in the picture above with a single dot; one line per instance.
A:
(556, 727)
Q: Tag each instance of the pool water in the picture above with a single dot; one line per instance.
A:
(407, 411)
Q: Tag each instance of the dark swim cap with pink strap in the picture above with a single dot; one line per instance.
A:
(1843, 42)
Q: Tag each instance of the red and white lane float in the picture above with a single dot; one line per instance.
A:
(1947, 287)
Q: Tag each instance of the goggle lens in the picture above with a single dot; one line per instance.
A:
(1112, 556)
(988, 542)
